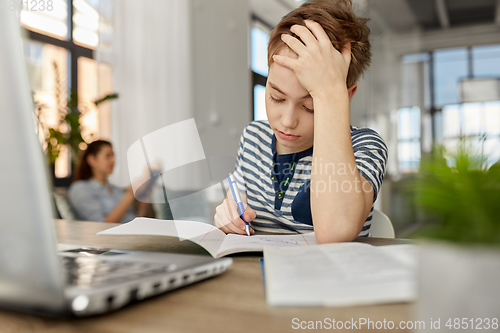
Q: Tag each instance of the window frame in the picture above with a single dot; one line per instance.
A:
(257, 79)
(417, 138)
(437, 112)
(75, 51)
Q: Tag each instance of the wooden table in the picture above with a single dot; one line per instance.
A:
(231, 302)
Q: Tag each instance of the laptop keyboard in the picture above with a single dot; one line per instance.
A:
(83, 271)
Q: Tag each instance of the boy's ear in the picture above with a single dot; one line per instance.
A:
(352, 90)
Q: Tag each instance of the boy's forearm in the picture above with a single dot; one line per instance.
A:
(337, 197)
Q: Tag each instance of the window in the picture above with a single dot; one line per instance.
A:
(259, 38)
(478, 124)
(85, 23)
(486, 61)
(450, 66)
(409, 139)
(52, 22)
(59, 51)
(259, 100)
(452, 120)
(48, 73)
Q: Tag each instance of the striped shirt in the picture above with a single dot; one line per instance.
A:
(281, 195)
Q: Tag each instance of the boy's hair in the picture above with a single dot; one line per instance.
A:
(341, 25)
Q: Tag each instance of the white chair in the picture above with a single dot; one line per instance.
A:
(381, 225)
(63, 207)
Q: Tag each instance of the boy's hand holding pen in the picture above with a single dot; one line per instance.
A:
(232, 216)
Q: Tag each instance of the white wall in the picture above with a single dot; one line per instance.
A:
(176, 60)
(150, 56)
(221, 73)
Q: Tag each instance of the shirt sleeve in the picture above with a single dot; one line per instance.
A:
(238, 172)
(85, 203)
(370, 152)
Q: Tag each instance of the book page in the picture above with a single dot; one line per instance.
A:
(203, 234)
(406, 253)
(339, 275)
(240, 243)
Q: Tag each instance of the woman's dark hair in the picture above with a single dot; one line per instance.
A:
(83, 170)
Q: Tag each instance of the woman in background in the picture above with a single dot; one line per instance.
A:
(91, 195)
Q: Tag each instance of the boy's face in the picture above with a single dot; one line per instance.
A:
(288, 107)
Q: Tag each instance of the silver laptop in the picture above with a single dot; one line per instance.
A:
(35, 275)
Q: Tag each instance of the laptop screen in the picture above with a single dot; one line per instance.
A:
(29, 268)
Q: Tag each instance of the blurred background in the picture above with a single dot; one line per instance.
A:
(435, 78)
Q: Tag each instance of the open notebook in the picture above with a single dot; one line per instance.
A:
(216, 242)
(340, 274)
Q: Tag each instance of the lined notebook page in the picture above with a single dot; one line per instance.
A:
(239, 243)
(216, 242)
(205, 235)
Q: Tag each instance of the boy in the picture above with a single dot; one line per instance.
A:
(316, 55)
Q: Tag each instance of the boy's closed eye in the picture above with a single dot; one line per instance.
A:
(281, 100)
(276, 100)
(308, 110)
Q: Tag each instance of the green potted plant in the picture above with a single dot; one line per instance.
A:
(68, 128)
(460, 257)
(461, 194)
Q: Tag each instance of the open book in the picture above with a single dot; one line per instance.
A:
(340, 274)
(216, 242)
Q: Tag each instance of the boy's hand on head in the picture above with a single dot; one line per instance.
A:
(227, 219)
(319, 67)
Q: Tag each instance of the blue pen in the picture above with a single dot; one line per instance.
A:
(237, 198)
